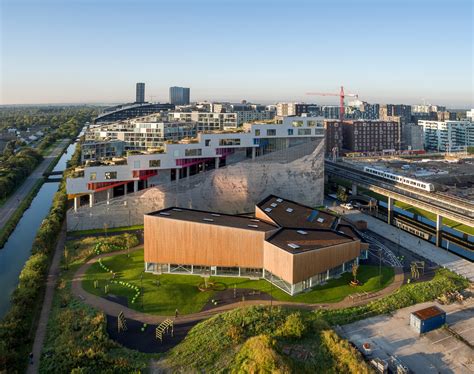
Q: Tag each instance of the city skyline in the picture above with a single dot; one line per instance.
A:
(265, 52)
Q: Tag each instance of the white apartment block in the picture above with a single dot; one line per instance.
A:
(181, 159)
(206, 121)
(447, 136)
(470, 115)
(146, 133)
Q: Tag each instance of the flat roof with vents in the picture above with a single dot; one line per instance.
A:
(294, 241)
(290, 214)
(216, 219)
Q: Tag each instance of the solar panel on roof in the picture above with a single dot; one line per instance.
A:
(312, 216)
(289, 210)
(268, 210)
(254, 226)
(320, 220)
(302, 232)
(164, 214)
(273, 205)
(255, 220)
(215, 215)
(279, 200)
(177, 210)
(208, 219)
(293, 245)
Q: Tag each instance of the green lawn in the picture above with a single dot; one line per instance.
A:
(101, 231)
(180, 291)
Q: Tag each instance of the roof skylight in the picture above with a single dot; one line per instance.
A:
(293, 245)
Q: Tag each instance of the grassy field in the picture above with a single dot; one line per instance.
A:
(101, 231)
(180, 291)
(260, 340)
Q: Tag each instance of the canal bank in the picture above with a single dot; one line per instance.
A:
(17, 249)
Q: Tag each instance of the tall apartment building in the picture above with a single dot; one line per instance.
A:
(447, 136)
(400, 110)
(333, 137)
(357, 109)
(140, 93)
(140, 134)
(412, 137)
(470, 115)
(330, 112)
(296, 109)
(179, 95)
(371, 135)
(206, 121)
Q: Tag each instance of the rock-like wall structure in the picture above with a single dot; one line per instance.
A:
(295, 173)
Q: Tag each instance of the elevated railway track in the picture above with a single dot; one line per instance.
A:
(454, 208)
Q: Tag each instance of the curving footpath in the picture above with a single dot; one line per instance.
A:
(113, 309)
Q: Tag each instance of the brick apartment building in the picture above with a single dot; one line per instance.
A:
(370, 135)
(333, 136)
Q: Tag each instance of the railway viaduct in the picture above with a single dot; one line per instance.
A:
(457, 209)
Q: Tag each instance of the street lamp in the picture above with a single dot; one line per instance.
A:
(141, 285)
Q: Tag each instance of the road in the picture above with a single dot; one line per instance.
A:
(421, 248)
(10, 206)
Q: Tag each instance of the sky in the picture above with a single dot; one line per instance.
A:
(94, 51)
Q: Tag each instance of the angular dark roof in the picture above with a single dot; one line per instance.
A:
(214, 218)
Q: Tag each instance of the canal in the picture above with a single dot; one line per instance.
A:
(17, 249)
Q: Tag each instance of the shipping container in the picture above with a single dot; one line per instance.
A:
(427, 319)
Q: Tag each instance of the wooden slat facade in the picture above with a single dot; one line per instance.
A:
(193, 243)
(295, 268)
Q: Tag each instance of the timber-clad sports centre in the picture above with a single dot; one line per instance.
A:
(293, 246)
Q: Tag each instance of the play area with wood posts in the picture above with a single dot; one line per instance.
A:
(164, 327)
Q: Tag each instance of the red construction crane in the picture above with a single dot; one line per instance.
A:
(341, 99)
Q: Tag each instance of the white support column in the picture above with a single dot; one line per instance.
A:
(192, 269)
(439, 227)
(135, 186)
(253, 153)
(76, 203)
(217, 162)
(327, 274)
(390, 210)
(354, 189)
(125, 188)
(343, 267)
(91, 200)
(239, 271)
(109, 194)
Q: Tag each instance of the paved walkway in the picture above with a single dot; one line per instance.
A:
(47, 302)
(11, 205)
(114, 309)
(438, 255)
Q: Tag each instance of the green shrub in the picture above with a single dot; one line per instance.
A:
(293, 327)
(346, 359)
(258, 355)
(407, 295)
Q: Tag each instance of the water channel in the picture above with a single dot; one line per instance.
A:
(17, 249)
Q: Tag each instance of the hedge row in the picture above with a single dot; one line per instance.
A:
(409, 294)
(18, 326)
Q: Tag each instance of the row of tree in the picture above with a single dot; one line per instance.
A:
(16, 328)
(15, 167)
(17, 162)
(53, 117)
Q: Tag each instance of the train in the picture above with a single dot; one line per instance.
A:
(400, 179)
